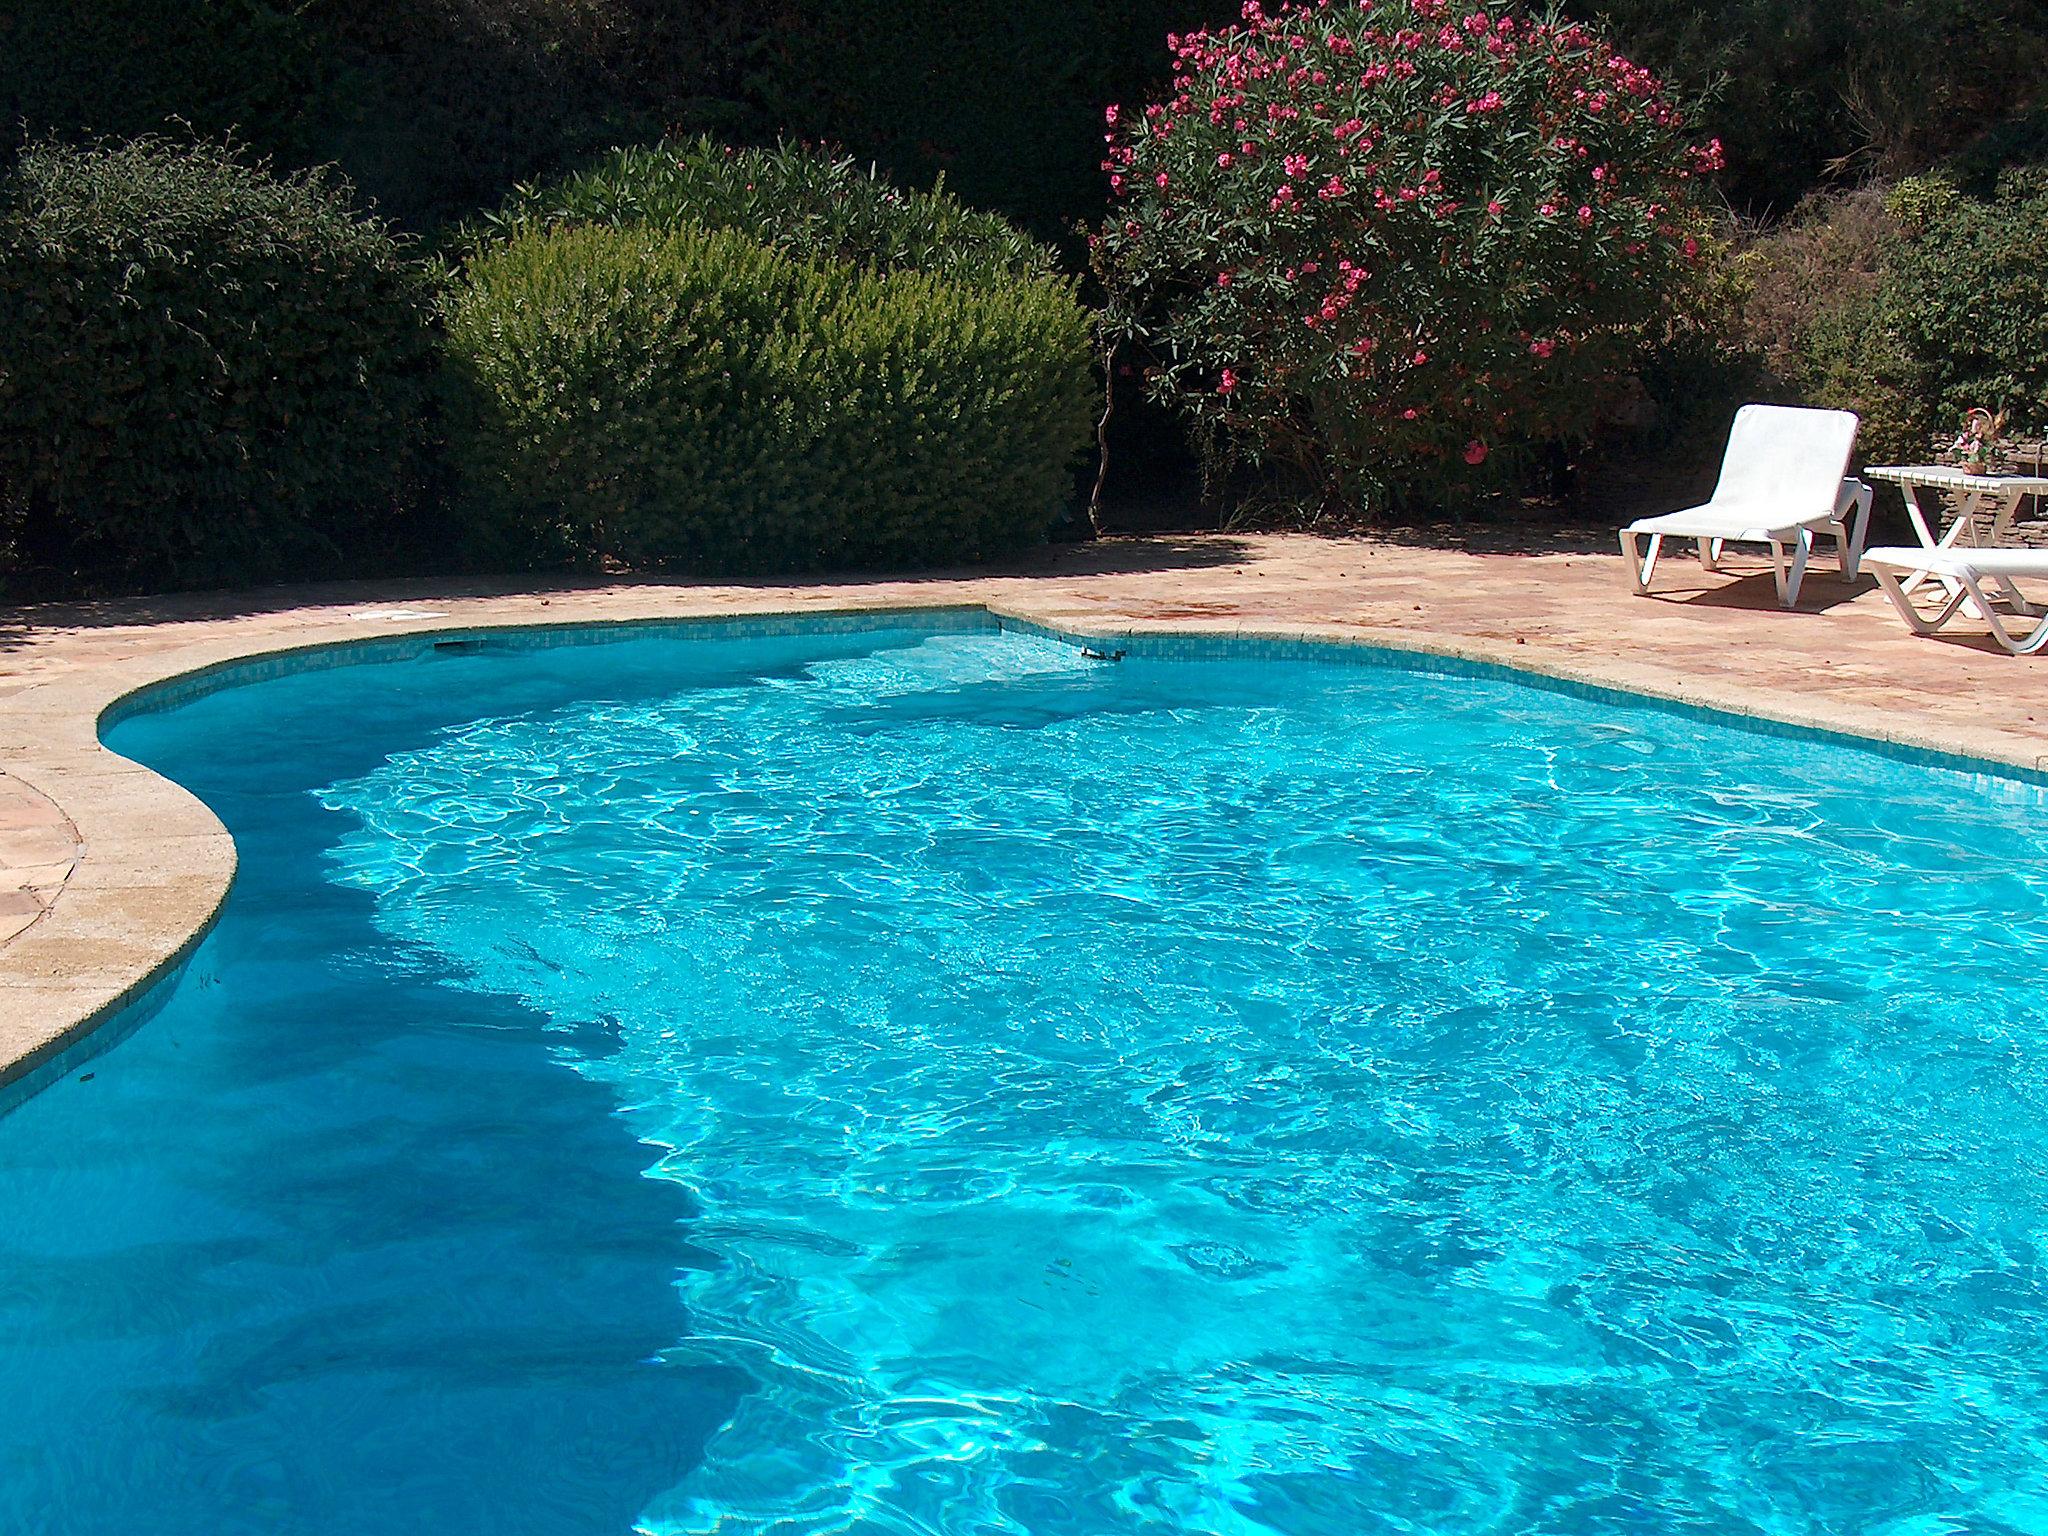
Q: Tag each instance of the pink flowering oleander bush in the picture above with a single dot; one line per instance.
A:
(1393, 246)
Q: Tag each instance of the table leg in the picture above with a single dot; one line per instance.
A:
(2001, 519)
(1969, 502)
(1928, 538)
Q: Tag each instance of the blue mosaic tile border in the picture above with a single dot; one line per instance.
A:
(104, 1030)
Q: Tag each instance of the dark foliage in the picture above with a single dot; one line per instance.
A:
(208, 373)
(1809, 93)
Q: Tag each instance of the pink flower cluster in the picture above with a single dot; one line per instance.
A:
(1498, 201)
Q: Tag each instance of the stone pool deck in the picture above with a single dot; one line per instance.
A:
(108, 873)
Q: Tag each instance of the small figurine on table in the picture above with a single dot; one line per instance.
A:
(1980, 445)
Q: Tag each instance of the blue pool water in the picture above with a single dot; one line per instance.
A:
(911, 1081)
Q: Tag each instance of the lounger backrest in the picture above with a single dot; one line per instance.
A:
(1787, 458)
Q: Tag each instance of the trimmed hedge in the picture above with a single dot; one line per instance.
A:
(813, 206)
(208, 374)
(692, 399)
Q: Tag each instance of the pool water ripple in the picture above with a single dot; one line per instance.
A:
(1206, 1096)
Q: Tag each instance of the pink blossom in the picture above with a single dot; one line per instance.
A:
(1475, 452)
(1228, 384)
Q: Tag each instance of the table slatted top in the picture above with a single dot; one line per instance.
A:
(1948, 478)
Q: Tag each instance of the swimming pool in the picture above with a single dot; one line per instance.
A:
(909, 1076)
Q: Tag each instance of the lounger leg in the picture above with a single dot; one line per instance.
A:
(1857, 527)
(2018, 599)
(2019, 645)
(1710, 553)
(1901, 600)
(1788, 575)
(1640, 566)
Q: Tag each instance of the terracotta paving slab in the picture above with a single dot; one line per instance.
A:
(111, 873)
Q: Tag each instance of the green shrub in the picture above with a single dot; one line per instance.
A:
(1909, 306)
(207, 373)
(1968, 299)
(2022, 142)
(692, 399)
(1816, 313)
(814, 206)
(1915, 201)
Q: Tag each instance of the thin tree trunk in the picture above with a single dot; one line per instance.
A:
(1102, 439)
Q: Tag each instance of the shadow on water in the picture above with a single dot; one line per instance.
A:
(334, 1243)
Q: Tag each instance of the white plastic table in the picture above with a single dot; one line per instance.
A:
(2002, 494)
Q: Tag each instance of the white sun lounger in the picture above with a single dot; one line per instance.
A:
(1781, 483)
(1961, 574)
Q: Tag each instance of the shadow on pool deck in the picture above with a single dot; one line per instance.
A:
(1106, 557)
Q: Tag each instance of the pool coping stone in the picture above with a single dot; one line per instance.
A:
(119, 873)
